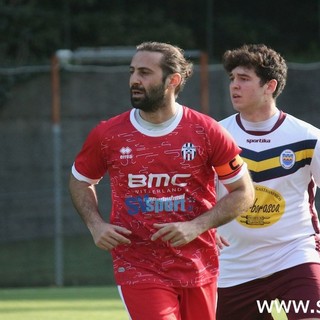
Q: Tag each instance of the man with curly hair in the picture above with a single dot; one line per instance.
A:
(271, 251)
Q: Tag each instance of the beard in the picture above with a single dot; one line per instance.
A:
(150, 101)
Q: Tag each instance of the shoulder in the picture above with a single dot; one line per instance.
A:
(108, 128)
(206, 125)
(300, 126)
(197, 117)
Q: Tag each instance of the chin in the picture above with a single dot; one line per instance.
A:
(238, 106)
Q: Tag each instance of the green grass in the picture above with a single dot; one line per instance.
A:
(69, 303)
(74, 303)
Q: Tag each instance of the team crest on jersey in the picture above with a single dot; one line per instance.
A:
(287, 159)
(188, 151)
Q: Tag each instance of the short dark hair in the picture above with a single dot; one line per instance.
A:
(173, 60)
(266, 62)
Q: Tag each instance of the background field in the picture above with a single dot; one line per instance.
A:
(29, 263)
(73, 303)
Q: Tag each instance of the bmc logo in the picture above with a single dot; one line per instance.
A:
(156, 180)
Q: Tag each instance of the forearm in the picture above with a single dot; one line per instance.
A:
(85, 201)
(235, 203)
(228, 208)
(105, 235)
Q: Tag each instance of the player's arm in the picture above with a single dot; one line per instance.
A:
(237, 201)
(236, 179)
(106, 236)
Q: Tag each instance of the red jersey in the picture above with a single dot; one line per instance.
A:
(160, 177)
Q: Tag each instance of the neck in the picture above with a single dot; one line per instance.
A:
(258, 115)
(161, 115)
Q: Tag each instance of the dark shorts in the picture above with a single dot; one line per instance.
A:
(297, 289)
(156, 302)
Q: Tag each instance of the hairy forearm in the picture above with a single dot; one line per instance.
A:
(85, 201)
(235, 203)
(106, 236)
(229, 207)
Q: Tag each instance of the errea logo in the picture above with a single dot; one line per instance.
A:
(126, 153)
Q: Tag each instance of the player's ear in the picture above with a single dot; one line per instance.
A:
(174, 80)
(272, 85)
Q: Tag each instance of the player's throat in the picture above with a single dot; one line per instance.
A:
(157, 126)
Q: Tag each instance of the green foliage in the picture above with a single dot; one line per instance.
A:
(28, 32)
(31, 31)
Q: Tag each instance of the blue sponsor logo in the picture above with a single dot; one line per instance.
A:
(146, 204)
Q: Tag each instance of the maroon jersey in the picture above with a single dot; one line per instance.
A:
(160, 177)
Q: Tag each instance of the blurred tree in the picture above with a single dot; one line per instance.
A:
(31, 31)
(290, 27)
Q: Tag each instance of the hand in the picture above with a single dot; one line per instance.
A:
(107, 236)
(176, 233)
(221, 242)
